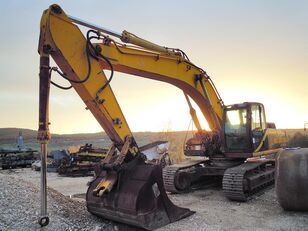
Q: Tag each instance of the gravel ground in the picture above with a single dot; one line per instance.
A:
(19, 206)
(215, 212)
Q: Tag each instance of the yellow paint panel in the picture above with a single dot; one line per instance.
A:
(69, 52)
(171, 70)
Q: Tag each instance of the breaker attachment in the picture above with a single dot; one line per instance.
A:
(136, 198)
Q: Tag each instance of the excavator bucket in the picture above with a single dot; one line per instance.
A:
(138, 198)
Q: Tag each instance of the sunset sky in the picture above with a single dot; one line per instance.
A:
(253, 50)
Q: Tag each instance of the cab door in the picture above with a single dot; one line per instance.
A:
(237, 129)
(258, 124)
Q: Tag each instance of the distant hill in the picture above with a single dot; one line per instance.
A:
(12, 133)
(8, 137)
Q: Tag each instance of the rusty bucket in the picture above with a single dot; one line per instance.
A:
(138, 198)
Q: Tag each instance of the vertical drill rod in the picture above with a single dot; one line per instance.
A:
(43, 132)
(43, 182)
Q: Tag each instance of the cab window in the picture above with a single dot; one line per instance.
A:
(255, 118)
(258, 124)
(236, 129)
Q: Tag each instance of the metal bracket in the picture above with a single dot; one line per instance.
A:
(106, 184)
(111, 177)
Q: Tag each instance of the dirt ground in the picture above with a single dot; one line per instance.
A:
(19, 206)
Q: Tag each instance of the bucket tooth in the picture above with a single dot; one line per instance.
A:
(138, 198)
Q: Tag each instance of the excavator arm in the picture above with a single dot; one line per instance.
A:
(125, 188)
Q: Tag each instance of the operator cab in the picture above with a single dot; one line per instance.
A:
(244, 127)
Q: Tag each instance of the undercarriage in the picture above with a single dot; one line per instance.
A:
(240, 179)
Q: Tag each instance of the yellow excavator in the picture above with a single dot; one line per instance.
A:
(126, 189)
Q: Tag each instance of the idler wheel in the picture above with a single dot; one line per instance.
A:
(182, 181)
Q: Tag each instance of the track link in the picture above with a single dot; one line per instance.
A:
(241, 182)
(169, 173)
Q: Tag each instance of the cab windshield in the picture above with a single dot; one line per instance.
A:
(236, 129)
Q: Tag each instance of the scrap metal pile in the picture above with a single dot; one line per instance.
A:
(75, 161)
(17, 157)
(81, 161)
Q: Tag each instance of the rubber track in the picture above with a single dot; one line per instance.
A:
(234, 178)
